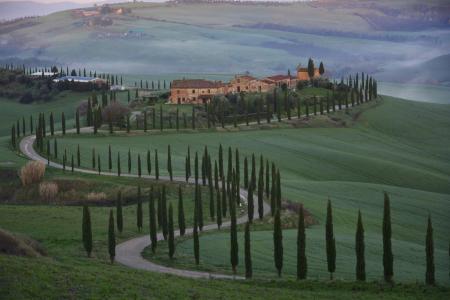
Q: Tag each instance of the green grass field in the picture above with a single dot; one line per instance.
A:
(396, 146)
(352, 166)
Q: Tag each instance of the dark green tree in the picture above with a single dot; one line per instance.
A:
(109, 158)
(220, 161)
(302, 265)
(52, 124)
(196, 240)
(181, 218)
(234, 251)
(330, 241)
(139, 165)
(278, 242)
(63, 123)
(388, 257)
(245, 173)
(164, 226)
(149, 163)
(429, 250)
(118, 164)
(261, 192)
(219, 209)
(248, 253)
(139, 209)
(156, 165)
(152, 220)
(87, 230)
(250, 204)
(359, 249)
(129, 160)
(169, 163)
(111, 237)
(171, 233)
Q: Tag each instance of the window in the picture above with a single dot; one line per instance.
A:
(178, 91)
(193, 91)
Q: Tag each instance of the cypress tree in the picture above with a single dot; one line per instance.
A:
(238, 168)
(196, 240)
(199, 207)
(87, 230)
(330, 241)
(429, 250)
(219, 209)
(78, 156)
(118, 164)
(245, 173)
(250, 204)
(52, 124)
(302, 265)
(99, 166)
(129, 160)
(145, 121)
(111, 237)
(119, 215)
(13, 136)
(128, 123)
(220, 161)
(212, 212)
(152, 220)
(359, 249)
(196, 168)
(248, 254)
(156, 165)
(93, 158)
(261, 192)
(149, 163)
(181, 219)
(388, 258)
(109, 158)
(139, 165)
(171, 233)
(253, 176)
(139, 209)
(278, 242)
(63, 123)
(164, 213)
(278, 189)
(216, 175)
(72, 164)
(55, 148)
(273, 192)
(169, 162)
(224, 198)
(188, 164)
(234, 256)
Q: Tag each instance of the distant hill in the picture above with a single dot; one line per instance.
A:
(434, 71)
(12, 9)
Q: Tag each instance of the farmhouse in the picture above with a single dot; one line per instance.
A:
(302, 73)
(195, 90)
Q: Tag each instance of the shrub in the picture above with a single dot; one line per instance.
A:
(93, 196)
(32, 172)
(115, 112)
(48, 191)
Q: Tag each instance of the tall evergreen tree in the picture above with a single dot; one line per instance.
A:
(164, 213)
(181, 218)
(220, 161)
(119, 215)
(111, 237)
(302, 265)
(224, 198)
(196, 240)
(109, 158)
(250, 204)
(156, 165)
(63, 123)
(199, 207)
(330, 241)
(245, 173)
(388, 257)
(139, 165)
(87, 230)
(429, 250)
(52, 124)
(359, 249)
(139, 209)
(149, 163)
(234, 256)
(152, 220)
(171, 232)
(219, 209)
(129, 161)
(248, 253)
(278, 242)
(169, 162)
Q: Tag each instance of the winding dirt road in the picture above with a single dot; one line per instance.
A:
(129, 253)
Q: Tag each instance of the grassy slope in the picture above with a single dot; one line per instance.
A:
(353, 166)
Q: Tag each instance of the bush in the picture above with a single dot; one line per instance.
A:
(96, 196)
(32, 172)
(115, 112)
(48, 191)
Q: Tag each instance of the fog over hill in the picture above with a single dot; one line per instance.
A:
(391, 39)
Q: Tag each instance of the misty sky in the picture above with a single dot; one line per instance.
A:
(93, 1)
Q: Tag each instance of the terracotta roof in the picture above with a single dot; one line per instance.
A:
(195, 84)
(302, 70)
(278, 77)
(268, 81)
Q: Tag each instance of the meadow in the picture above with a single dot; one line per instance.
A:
(396, 146)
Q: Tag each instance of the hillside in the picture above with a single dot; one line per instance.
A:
(150, 38)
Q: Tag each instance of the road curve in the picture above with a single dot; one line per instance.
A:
(129, 253)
